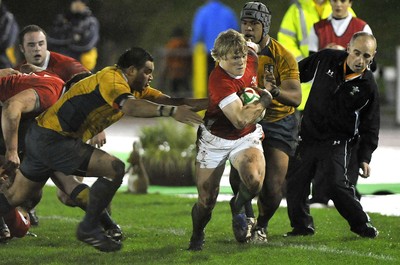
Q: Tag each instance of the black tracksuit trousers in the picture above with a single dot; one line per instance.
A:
(333, 158)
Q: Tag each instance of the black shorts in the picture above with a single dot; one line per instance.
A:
(47, 151)
(282, 134)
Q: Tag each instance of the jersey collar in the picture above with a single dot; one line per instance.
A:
(46, 61)
(352, 75)
(122, 73)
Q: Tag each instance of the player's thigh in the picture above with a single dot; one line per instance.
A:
(102, 164)
(250, 159)
(22, 189)
(277, 163)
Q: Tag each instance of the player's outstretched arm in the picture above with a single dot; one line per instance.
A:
(197, 104)
(186, 115)
(146, 109)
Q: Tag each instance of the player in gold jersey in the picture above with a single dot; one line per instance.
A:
(279, 124)
(56, 144)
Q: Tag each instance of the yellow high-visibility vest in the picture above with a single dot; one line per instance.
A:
(295, 28)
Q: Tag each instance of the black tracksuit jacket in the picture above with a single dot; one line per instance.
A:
(339, 110)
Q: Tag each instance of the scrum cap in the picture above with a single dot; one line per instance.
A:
(258, 11)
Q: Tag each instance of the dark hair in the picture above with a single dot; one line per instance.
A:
(27, 29)
(76, 78)
(134, 56)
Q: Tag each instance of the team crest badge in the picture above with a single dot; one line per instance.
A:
(355, 90)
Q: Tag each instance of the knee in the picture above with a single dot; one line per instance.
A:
(255, 187)
(207, 202)
(119, 171)
(31, 203)
(207, 194)
(254, 183)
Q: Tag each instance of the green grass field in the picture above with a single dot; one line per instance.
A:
(158, 227)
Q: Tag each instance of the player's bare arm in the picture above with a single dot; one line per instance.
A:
(288, 93)
(146, 109)
(8, 71)
(242, 116)
(23, 102)
(197, 104)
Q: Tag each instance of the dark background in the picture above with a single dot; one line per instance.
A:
(148, 23)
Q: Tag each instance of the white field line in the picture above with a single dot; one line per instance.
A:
(62, 218)
(325, 249)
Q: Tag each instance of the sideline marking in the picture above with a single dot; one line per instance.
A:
(326, 249)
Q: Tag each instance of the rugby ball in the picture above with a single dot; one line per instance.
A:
(248, 96)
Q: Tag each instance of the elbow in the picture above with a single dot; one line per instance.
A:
(296, 96)
(297, 102)
(293, 102)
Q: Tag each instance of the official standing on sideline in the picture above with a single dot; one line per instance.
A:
(343, 105)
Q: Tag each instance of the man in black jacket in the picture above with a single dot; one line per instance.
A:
(343, 105)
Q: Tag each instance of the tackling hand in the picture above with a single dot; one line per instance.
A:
(185, 115)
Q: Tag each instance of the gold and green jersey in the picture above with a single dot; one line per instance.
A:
(278, 59)
(90, 106)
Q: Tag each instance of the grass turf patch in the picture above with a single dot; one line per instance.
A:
(157, 228)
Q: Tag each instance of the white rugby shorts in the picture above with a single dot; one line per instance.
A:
(214, 151)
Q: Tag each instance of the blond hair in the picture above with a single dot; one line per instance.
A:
(229, 41)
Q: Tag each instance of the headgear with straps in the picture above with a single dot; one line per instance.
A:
(258, 11)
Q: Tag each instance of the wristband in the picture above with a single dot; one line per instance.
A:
(160, 110)
(172, 111)
(275, 92)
